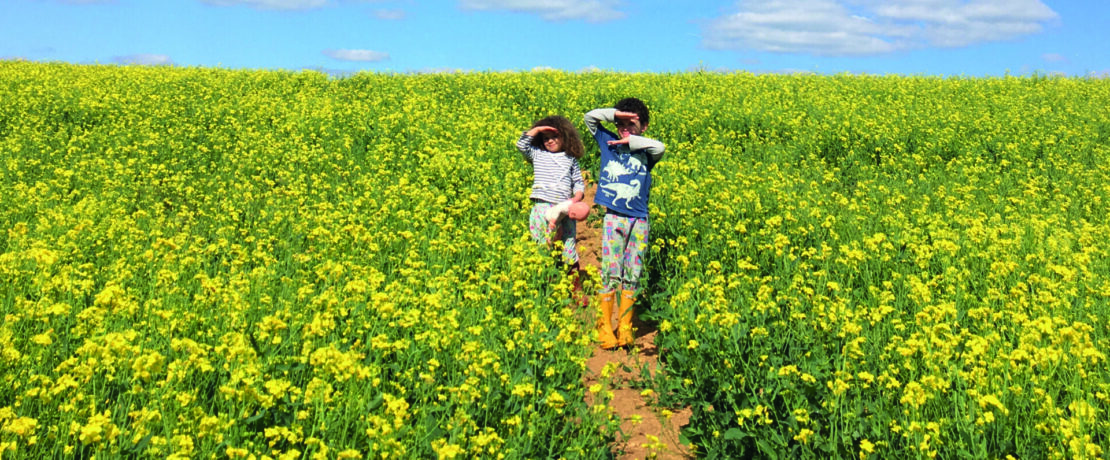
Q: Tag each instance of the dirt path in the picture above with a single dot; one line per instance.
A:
(647, 431)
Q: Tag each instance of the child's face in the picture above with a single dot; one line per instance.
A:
(628, 127)
(552, 142)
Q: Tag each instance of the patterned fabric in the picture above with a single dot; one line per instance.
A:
(566, 231)
(555, 176)
(624, 182)
(622, 252)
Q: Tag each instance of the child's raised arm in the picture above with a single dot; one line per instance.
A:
(652, 147)
(594, 118)
(539, 129)
(524, 144)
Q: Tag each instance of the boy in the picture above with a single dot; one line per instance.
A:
(624, 186)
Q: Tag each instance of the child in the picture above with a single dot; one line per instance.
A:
(553, 147)
(624, 186)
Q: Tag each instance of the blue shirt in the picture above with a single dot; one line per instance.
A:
(624, 182)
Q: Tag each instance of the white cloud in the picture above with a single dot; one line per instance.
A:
(291, 5)
(1054, 57)
(869, 27)
(357, 55)
(822, 27)
(271, 4)
(143, 59)
(390, 15)
(553, 10)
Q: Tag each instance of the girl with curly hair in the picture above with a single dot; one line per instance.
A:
(553, 146)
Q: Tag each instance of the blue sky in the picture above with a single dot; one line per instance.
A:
(909, 37)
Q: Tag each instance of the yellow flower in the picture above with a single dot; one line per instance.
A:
(866, 448)
(914, 395)
(22, 426)
(183, 444)
(992, 400)
(43, 339)
(449, 451)
(98, 428)
(523, 389)
(349, 453)
(556, 400)
(803, 435)
(236, 452)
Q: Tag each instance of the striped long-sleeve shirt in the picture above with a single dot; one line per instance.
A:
(556, 176)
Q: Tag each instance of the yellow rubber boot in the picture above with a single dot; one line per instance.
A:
(625, 335)
(605, 321)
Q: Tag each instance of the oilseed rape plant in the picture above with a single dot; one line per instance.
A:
(212, 263)
(259, 264)
(886, 267)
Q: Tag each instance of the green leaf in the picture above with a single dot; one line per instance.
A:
(735, 434)
(138, 448)
(255, 417)
(765, 449)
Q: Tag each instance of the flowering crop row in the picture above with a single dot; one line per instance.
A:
(205, 262)
(202, 263)
(888, 267)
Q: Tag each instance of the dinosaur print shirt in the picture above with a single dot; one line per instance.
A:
(624, 185)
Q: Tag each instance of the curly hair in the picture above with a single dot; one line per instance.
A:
(631, 104)
(572, 142)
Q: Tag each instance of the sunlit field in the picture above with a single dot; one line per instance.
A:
(219, 263)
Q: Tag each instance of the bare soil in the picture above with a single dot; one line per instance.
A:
(638, 411)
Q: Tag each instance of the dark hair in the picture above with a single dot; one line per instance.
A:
(636, 106)
(572, 142)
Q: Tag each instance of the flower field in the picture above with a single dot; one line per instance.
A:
(235, 264)
(890, 267)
